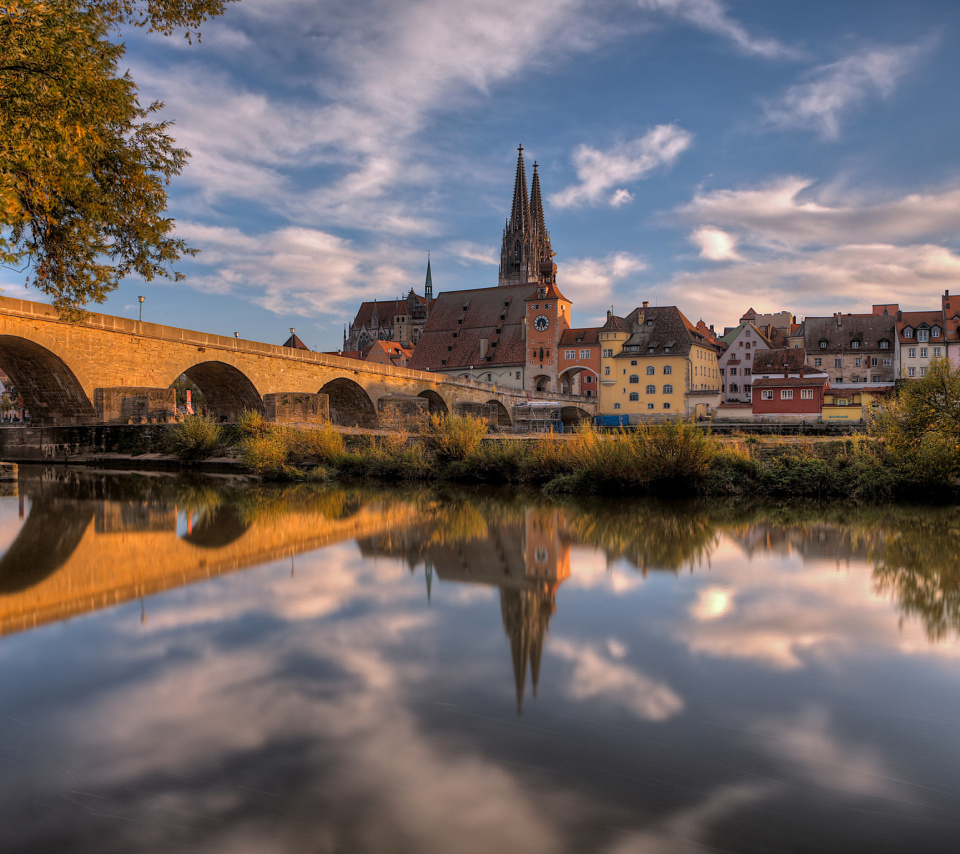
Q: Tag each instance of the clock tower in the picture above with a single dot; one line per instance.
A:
(547, 316)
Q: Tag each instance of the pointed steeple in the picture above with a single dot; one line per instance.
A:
(520, 212)
(428, 284)
(536, 206)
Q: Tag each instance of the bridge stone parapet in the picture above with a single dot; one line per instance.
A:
(57, 367)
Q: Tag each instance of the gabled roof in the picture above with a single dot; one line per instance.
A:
(616, 324)
(295, 342)
(386, 310)
(669, 333)
(459, 319)
(914, 319)
(841, 329)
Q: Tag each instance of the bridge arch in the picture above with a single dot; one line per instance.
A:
(228, 390)
(350, 405)
(435, 402)
(51, 391)
(503, 416)
(572, 415)
(542, 383)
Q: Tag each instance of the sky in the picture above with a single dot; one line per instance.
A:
(712, 155)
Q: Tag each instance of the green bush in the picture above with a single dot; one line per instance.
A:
(251, 423)
(195, 438)
(268, 455)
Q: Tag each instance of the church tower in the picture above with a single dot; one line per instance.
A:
(526, 255)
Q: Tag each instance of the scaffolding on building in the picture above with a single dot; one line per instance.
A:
(538, 416)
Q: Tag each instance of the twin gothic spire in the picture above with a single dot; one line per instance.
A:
(526, 255)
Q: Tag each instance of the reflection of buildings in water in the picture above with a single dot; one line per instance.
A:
(527, 557)
(812, 543)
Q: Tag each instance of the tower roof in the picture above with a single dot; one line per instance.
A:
(520, 212)
(536, 208)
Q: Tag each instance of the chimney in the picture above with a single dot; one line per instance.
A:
(484, 343)
(609, 313)
(646, 303)
(837, 318)
(786, 370)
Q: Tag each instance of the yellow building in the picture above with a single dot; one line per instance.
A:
(655, 363)
(852, 404)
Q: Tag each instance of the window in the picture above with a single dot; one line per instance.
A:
(747, 334)
(668, 389)
(746, 356)
(535, 307)
(817, 362)
(588, 379)
(740, 344)
(856, 362)
(651, 389)
(518, 374)
(806, 394)
(489, 378)
(907, 332)
(786, 394)
(923, 335)
(733, 372)
(887, 362)
(634, 363)
(634, 379)
(569, 354)
(651, 370)
(935, 332)
(634, 396)
(607, 354)
(666, 405)
(667, 369)
(923, 352)
(923, 372)
(884, 344)
(723, 372)
(913, 352)
(584, 354)
(649, 406)
(854, 344)
(734, 388)
(911, 372)
(823, 343)
(766, 394)
(746, 372)
(606, 371)
(873, 361)
(841, 402)
(616, 406)
(837, 363)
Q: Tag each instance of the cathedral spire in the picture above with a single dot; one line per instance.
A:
(526, 242)
(520, 212)
(428, 284)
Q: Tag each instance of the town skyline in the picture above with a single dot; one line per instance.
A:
(714, 156)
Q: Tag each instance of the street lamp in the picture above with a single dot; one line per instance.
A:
(141, 307)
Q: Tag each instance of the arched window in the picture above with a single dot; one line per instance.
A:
(668, 389)
(651, 389)
(634, 396)
(668, 369)
(651, 370)
(734, 387)
(634, 378)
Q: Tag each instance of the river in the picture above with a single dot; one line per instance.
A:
(213, 665)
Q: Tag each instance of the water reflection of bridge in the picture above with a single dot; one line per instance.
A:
(75, 555)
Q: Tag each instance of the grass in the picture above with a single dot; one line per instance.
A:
(674, 457)
(195, 438)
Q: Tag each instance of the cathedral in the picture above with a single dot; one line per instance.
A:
(507, 335)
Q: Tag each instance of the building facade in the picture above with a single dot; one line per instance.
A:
(736, 361)
(851, 348)
(579, 364)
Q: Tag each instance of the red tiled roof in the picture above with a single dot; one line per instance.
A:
(386, 310)
(789, 382)
(295, 343)
(772, 361)
(913, 319)
(580, 336)
(459, 319)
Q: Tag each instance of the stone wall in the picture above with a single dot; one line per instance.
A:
(135, 405)
(296, 407)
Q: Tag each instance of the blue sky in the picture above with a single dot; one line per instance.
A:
(713, 155)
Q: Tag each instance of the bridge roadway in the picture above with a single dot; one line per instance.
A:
(57, 366)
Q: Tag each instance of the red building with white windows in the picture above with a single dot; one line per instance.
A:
(798, 397)
(579, 362)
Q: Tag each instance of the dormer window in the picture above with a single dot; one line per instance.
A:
(823, 343)
(923, 335)
(854, 344)
(935, 332)
(650, 322)
(907, 332)
(884, 344)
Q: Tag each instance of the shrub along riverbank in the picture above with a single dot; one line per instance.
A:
(665, 458)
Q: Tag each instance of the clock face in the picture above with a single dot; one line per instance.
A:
(541, 322)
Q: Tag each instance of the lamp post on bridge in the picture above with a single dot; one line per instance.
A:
(141, 308)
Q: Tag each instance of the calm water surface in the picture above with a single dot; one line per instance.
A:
(207, 666)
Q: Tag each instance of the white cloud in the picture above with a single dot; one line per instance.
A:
(589, 282)
(596, 676)
(830, 91)
(711, 16)
(600, 171)
(715, 244)
(474, 253)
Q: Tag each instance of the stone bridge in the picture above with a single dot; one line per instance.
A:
(61, 369)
